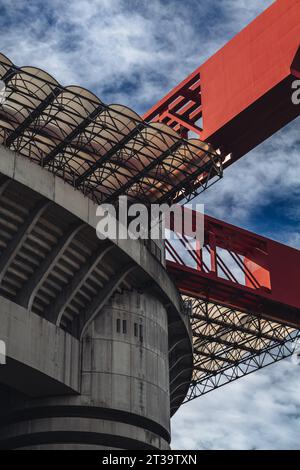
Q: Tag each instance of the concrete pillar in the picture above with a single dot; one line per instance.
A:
(124, 400)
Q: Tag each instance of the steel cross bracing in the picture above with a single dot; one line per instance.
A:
(241, 95)
(244, 316)
(229, 344)
(245, 310)
(104, 151)
(237, 99)
(181, 109)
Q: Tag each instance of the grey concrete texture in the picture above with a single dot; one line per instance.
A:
(53, 188)
(115, 381)
(37, 347)
(124, 369)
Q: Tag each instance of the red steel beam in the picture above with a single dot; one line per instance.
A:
(244, 90)
(272, 273)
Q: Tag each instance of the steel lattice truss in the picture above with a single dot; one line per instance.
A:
(229, 344)
(105, 151)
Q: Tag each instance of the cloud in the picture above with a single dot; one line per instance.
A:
(267, 174)
(134, 52)
(261, 411)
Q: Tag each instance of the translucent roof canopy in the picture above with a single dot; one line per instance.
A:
(103, 150)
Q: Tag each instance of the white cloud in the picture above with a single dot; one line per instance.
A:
(125, 50)
(134, 52)
(268, 174)
(259, 411)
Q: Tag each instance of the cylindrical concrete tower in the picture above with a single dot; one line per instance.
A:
(124, 399)
(99, 352)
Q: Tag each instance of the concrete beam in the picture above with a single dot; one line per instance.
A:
(5, 182)
(102, 298)
(55, 311)
(55, 189)
(41, 360)
(17, 241)
(27, 295)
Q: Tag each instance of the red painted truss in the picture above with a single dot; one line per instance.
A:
(242, 94)
(238, 269)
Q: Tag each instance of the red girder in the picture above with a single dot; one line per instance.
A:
(242, 270)
(234, 101)
(181, 108)
(243, 92)
(243, 95)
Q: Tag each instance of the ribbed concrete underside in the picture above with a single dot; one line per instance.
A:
(95, 326)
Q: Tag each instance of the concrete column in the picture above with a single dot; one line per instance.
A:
(124, 401)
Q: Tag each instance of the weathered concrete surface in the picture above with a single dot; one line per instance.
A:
(82, 431)
(125, 371)
(53, 188)
(41, 358)
(112, 388)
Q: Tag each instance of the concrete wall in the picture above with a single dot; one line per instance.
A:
(53, 188)
(41, 358)
(124, 385)
(111, 389)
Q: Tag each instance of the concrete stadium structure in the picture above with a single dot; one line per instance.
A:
(99, 352)
(106, 339)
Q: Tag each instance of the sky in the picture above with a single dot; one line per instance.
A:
(133, 52)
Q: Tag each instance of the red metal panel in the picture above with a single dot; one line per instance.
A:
(251, 64)
(285, 268)
(270, 270)
(245, 88)
(261, 274)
